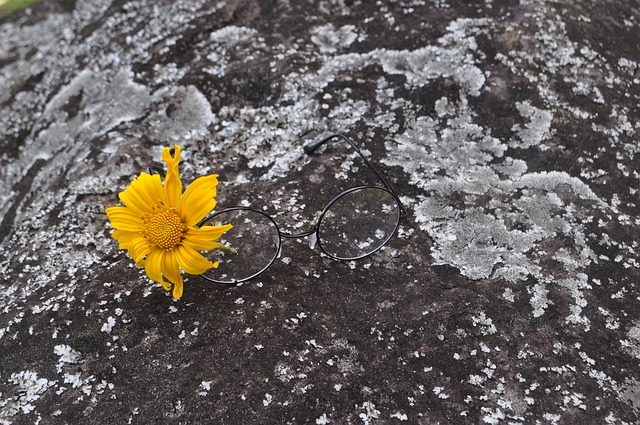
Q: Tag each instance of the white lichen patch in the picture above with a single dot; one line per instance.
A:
(485, 323)
(330, 39)
(576, 287)
(539, 301)
(189, 118)
(632, 344)
(370, 413)
(108, 325)
(537, 128)
(29, 387)
(487, 244)
(67, 356)
(221, 44)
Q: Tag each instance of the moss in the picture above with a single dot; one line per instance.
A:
(7, 7)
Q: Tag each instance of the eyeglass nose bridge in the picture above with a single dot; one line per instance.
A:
(311, 235)
(313, 240)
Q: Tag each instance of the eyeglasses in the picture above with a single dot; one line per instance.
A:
(354, 224)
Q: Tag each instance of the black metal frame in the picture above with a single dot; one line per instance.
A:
(309, 149)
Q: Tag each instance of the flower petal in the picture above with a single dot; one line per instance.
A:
(171, 271)
(122, 218)
(191, 261)
(140, 248)
(124, 238)
(144, 193)
(198, 200)
(153, 266)
(172, 183)
(177, 289)
(204, 238)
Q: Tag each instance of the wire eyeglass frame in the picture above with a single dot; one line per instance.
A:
(313, 233)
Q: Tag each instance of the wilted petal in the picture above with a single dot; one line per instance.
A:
(172, 183)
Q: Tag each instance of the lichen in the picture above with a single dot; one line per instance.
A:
(509, 129)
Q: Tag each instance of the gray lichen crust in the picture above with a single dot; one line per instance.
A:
(509, 128)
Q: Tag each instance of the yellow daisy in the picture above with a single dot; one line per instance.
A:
(157, 225)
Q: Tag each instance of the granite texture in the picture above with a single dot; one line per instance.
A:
(509, 128)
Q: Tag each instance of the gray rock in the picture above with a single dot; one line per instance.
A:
(509, 128)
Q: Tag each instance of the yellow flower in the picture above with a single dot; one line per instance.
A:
(157, 225)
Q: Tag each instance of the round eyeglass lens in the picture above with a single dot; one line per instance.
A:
(254, 243)
(358, 223)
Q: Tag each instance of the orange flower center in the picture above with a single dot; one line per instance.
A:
(165, 229)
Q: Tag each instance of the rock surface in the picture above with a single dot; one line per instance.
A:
(510, 129)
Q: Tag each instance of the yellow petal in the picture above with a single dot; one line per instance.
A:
(191, 261)
(198, 200)
(144, 192)
(153, 186)
(171, 271)
(172, 183)
(123, 218)
(124, 238)
(153, 266)
(170, 267)
(177, 290)
(202, 246)
(139, 248)
(204, 238)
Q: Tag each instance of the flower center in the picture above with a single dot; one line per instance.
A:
(165, 229)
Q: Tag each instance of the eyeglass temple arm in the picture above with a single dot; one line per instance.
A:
(313, 146)
(154, 169)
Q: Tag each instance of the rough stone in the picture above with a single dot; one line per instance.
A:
(509, 128)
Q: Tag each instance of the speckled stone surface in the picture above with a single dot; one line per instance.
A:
(509, 128)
